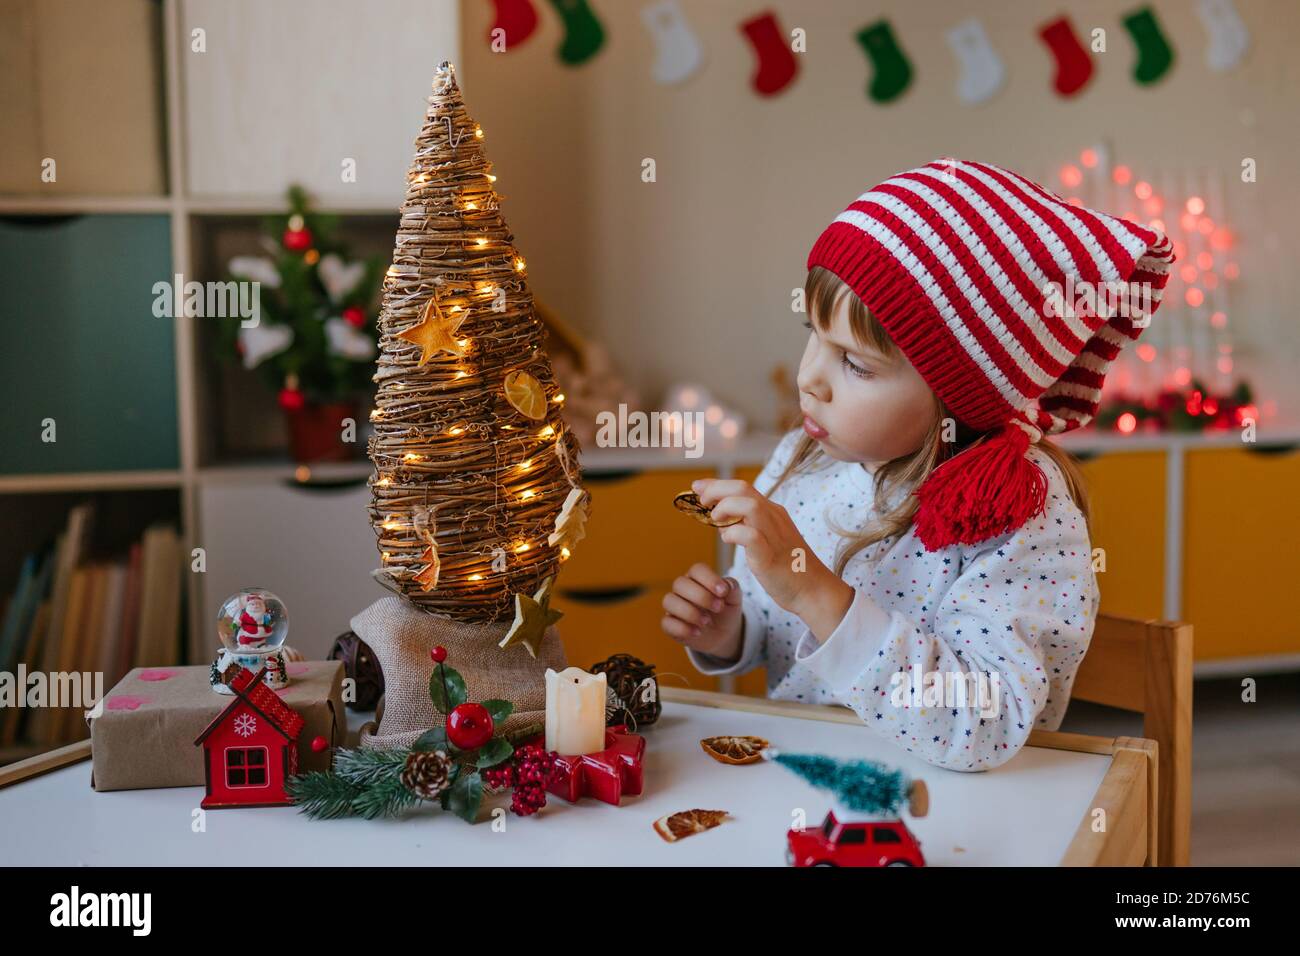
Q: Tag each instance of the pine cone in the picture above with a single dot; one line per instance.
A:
(425, 774)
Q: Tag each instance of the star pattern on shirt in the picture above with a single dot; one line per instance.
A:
(1009, 608)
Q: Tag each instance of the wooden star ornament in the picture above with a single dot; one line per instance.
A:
(533, 615)
(435, 333)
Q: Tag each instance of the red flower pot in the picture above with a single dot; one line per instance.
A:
(316, 432)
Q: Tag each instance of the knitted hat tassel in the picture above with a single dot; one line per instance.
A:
(986, 491)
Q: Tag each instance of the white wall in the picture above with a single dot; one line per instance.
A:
(690, 277)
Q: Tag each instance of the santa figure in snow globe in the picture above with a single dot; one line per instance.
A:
(253, 625)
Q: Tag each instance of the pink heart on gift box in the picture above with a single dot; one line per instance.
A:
(156, 675)
(126, 702)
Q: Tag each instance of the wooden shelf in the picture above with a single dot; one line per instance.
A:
(56, 205)
(89, 481)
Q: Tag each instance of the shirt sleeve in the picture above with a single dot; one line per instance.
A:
(756, 606)
(1021, 606)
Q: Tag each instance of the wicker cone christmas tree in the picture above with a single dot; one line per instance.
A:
(476, 496)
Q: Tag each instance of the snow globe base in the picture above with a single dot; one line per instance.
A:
(274, 667)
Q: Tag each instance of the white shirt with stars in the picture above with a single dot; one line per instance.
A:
(1018, 609)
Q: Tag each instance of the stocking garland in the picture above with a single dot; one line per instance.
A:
(678, 52)
(777, 66)
(982, 71)
(516, 19)
(1228, 35)
(891, 70)
(1155, 55)
(583, 34)
(1073, 65)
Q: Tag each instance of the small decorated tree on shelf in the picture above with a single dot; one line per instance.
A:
(476, 494)
(315, 335)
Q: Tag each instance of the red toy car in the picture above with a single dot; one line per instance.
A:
(857, 843)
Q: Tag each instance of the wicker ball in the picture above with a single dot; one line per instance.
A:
(360, 664)
(633, 691)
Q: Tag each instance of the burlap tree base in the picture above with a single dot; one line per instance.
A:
(402, 637)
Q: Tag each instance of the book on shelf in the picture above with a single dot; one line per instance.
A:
(73, 615)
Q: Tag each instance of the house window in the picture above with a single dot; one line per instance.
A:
(246, 767)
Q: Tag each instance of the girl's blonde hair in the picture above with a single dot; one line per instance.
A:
(895, 480)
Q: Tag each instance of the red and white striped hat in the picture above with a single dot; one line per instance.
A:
(1011, 303)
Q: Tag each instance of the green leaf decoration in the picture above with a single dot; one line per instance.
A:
(499, 709)
(446, 688)
(465, 795)
(494, 752)
(434, 739)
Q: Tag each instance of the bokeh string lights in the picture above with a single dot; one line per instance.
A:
(470, 476)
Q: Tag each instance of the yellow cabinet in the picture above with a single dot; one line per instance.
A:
(634, 534)
(1127, 494)
(1242, 524)
(599, 622)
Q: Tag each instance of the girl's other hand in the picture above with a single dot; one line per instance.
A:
(704, 612)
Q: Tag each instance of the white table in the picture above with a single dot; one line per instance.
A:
(1033, 810)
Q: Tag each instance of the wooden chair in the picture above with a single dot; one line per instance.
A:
(1146, 666)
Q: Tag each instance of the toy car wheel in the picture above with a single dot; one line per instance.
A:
(898, 863)
(823, 863)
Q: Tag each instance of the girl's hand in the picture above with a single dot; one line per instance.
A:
(774, 548)
(704, 612)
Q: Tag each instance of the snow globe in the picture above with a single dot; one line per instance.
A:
(252, 624)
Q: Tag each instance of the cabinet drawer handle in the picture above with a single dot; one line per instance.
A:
(603, 595)
(608, 477)
(41, 222)
(1272, 448)
(325, 485)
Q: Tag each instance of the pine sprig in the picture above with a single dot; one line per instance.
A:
(367, 767)
(365, 783)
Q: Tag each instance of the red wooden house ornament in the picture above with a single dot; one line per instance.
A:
(250, 750)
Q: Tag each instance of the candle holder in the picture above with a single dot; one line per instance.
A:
(607, 775)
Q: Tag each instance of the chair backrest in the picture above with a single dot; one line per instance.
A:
(1146, 666)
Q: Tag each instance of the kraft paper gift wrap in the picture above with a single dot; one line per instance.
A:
(145, 735)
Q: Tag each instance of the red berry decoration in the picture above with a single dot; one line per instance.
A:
(291, 399)
(319, 743)
(354, 316)
(439, 654)
(528, 771)
(297, 240)
(469, 726)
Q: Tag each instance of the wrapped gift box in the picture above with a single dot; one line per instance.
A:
(145, 735)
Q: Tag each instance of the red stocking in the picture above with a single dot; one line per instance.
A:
(776, 63)
(1073, 65)
(518, 18)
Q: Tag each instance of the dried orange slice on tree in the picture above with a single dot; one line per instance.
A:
(674, 826)
(526, 394)
(734, 750)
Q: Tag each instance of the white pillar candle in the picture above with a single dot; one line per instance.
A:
(575, 711)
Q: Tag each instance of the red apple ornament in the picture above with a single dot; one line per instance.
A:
(469, 726)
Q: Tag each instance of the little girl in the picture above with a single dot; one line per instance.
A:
(918, 551)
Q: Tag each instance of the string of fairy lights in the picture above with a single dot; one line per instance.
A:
(472, 456)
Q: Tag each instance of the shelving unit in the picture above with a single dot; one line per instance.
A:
(200, 226)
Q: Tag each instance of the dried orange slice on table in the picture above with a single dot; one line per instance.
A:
(735, 750)
(526, 394)
(685, 823)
